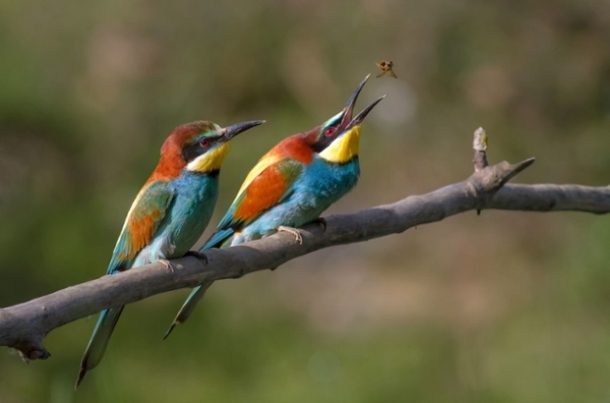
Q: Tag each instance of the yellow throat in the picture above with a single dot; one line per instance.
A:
(210, 161)
(344, 148)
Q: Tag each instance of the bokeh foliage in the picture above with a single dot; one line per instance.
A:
(506, 307)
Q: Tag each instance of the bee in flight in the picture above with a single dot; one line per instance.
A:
(386, 67)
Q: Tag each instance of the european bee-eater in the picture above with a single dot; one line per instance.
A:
(169, 213)
(291, 185)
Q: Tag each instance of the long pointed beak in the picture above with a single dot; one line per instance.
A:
(360, 117)
(351, 102)
(231, 131)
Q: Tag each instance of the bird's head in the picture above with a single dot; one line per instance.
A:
(200, 146)
(337, 140)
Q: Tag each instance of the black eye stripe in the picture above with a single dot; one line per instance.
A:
(326, 138)
(192, 151)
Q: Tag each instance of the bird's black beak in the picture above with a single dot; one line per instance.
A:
(360, 117)
(231, 131)
(347, 121)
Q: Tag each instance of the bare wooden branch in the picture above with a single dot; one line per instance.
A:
(479, 144)
(24, 326)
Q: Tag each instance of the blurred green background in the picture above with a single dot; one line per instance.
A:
(505, 307)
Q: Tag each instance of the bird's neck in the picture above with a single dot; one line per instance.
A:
(168, 168)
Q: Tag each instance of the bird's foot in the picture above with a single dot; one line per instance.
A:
(321, 221)
(198, 255)
(293, 231)
(167, 264)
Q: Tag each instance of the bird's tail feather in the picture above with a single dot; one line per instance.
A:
(98, 342)
(189, 305)
(219, 239)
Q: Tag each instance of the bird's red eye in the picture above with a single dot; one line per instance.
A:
(204, 142)
(329, 132)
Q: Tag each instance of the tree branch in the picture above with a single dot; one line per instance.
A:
(24, 326)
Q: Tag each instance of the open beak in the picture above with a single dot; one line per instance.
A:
(360, 117)
(347, 122)
(231, 131)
